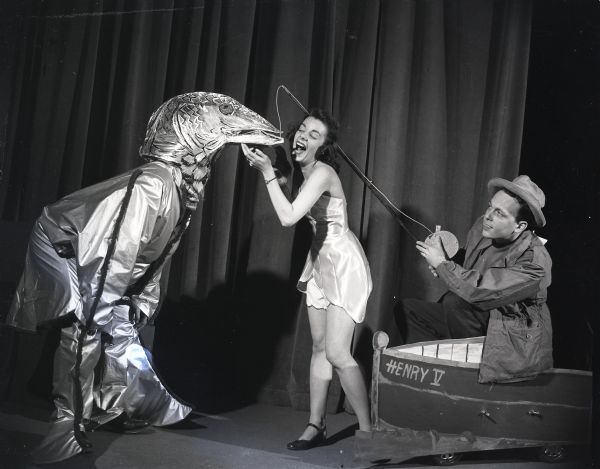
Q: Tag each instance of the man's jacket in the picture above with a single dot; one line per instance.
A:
(518, 343)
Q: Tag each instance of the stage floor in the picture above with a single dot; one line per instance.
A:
(252, 437)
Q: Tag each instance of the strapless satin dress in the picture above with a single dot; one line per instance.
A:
(336, 261)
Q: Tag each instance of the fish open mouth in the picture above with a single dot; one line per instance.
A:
(274, 134)
(257, 137)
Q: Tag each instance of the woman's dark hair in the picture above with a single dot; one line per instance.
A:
(326, 152)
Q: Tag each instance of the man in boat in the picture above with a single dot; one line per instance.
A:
(499, 290)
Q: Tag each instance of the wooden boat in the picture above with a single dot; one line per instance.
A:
(426, 400)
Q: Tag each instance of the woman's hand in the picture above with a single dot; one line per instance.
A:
(257, 159)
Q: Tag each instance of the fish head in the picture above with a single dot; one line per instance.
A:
(191, 129)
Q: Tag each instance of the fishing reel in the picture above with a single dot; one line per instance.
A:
(448, 240)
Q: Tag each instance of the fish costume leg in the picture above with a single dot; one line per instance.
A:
(129, 381)
(60, 443)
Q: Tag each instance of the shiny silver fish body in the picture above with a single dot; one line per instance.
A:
(69, 245)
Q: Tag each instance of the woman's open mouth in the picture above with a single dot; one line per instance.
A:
(299, 147)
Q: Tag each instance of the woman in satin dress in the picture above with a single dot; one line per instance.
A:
(336, 276)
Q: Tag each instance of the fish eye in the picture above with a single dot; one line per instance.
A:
(226, 108)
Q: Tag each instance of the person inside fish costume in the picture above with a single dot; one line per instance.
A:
(95, 257)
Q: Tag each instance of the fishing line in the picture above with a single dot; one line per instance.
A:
(386, 202)
(277, 107)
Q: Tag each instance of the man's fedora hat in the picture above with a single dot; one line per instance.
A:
(527, 190)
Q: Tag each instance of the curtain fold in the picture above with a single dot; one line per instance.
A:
(430, 97)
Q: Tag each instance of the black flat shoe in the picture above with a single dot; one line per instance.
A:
(316, 440)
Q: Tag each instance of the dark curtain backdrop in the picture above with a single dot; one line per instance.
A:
(430, 96)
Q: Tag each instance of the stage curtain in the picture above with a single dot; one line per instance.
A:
(430, 96)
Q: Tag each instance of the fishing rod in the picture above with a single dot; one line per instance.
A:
(449, 241)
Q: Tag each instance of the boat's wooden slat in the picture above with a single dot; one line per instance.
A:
(459, 378)
(420, 409)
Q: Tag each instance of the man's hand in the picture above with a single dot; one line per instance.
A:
(136, 316)
(433, 254)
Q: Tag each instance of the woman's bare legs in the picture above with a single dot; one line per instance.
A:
(338, 342)
(321, 371)
(332, 332)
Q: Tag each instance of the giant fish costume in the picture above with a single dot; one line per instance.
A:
(97, 255)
